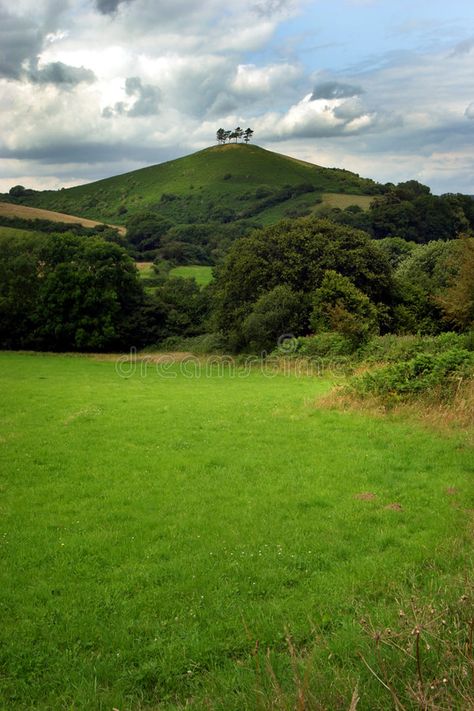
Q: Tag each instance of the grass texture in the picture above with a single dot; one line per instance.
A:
(160, 526)
(202, 275)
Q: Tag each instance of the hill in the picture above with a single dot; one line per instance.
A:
(221, 183)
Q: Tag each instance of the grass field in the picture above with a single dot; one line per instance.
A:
(202, 275)
(343, 201)
(33, 213)
(153, 528)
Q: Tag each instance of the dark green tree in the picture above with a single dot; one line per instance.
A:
(339, 306)
(71, 293)
(145, 230)
(276, 313)
(248, 133)
(295, 253)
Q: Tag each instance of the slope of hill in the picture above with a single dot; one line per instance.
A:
(32, 213)
(221, 183)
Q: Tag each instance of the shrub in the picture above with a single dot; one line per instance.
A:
(324, 344)
(392, 349)
(436, 373)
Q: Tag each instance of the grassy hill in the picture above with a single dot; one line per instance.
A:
(221, 183)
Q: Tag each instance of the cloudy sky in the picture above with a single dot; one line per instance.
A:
(93, 88)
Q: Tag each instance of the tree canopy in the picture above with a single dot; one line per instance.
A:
(224, 136)
(66, 292)
(295, 253)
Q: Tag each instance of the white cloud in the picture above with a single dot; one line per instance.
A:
(251, 80)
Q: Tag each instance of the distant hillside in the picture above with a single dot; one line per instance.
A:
(31, 213)
(222, 183)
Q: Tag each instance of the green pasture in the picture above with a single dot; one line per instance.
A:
(202, 275)
(156, 522)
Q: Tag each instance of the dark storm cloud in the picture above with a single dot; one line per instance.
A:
(61, 74)
(335, 90)
(109, 7)
(52, 153)
(146, 101)
(20, 40)
(147, 97)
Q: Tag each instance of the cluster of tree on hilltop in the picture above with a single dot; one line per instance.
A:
(222, 135)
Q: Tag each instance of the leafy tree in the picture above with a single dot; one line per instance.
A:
(17, 191)
(418, 281)
(183, 306)
(248, 133)
(81, 294)
(457, 300)
(220, 135)
(339, 306)
(396, 249)
(411, 212)
(19, 290)
(278, 312)
(145, 230)
(296, 253)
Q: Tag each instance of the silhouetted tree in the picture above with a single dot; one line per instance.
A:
(248, 133)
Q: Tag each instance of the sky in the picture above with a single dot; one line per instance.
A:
(94, 88)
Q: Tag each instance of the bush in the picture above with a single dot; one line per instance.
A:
(392, 349)
(438, 374)
(323, 345)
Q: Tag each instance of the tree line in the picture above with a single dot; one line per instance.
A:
(303, 276)
(224, 136)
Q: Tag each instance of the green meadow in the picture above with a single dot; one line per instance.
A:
(202, 275)
(163, 526)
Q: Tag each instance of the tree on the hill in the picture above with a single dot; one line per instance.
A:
(248, 133)
(222, 135)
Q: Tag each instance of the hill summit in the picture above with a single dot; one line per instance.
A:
(222, 183)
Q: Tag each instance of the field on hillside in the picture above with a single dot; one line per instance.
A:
(32, 213)
(162, 525)
(202, 275)
(202, 186)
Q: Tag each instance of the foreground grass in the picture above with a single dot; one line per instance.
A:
(154, 528)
